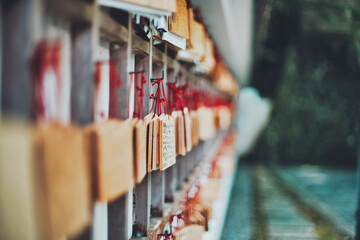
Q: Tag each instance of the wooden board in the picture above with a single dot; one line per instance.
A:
(110, 148)
(63, 181)
(179, 21)
(164, 5)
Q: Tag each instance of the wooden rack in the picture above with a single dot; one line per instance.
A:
(143, 211)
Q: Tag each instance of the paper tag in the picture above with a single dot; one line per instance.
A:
(167, 146)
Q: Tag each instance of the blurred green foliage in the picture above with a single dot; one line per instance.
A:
(314, 65)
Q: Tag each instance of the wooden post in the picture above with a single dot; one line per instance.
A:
(142, 196)
(18, 39)
(117, 219)
(170, 183)
(142, 191)
(157, 193)
(170, 173)
(82, 89)
(120, 211)
(157, 177)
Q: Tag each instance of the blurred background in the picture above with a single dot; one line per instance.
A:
(306, 66)
(307, 62)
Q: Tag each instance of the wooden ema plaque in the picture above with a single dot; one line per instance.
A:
(167, 142)
(179, 22)
(179, 132)
(207, 126)
(62, 181)
(110, 145)
(140, 131)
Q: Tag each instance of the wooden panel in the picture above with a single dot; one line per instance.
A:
(142, 197)
(157, 193)
(142, 63)
(170, 183)
(82, 89)
(181, 171)
(120, 211)
(18, 42)
(117, 219)
(119, 54)
(142, 191)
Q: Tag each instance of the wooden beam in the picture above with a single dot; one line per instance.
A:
(71, 10)
(112, 30)
(158, 56)
(139, 46)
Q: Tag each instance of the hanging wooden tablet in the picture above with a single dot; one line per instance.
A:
(179, 21)
(179, 132)
(110, 148)
(167, 142)
(190, 232)
(18, 213)
(140, 169)
(63, 181)
(194, 127)
(155, 165)
(224, 117)
(159, 108)
(197, 38)
(140, 126)
(149, 142)
(188, 129)
(207, 128)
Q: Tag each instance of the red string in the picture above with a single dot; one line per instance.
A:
(139, 95)
(159, 104)
(176, 101)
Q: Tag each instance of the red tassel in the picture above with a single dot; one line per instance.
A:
(159, 105)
